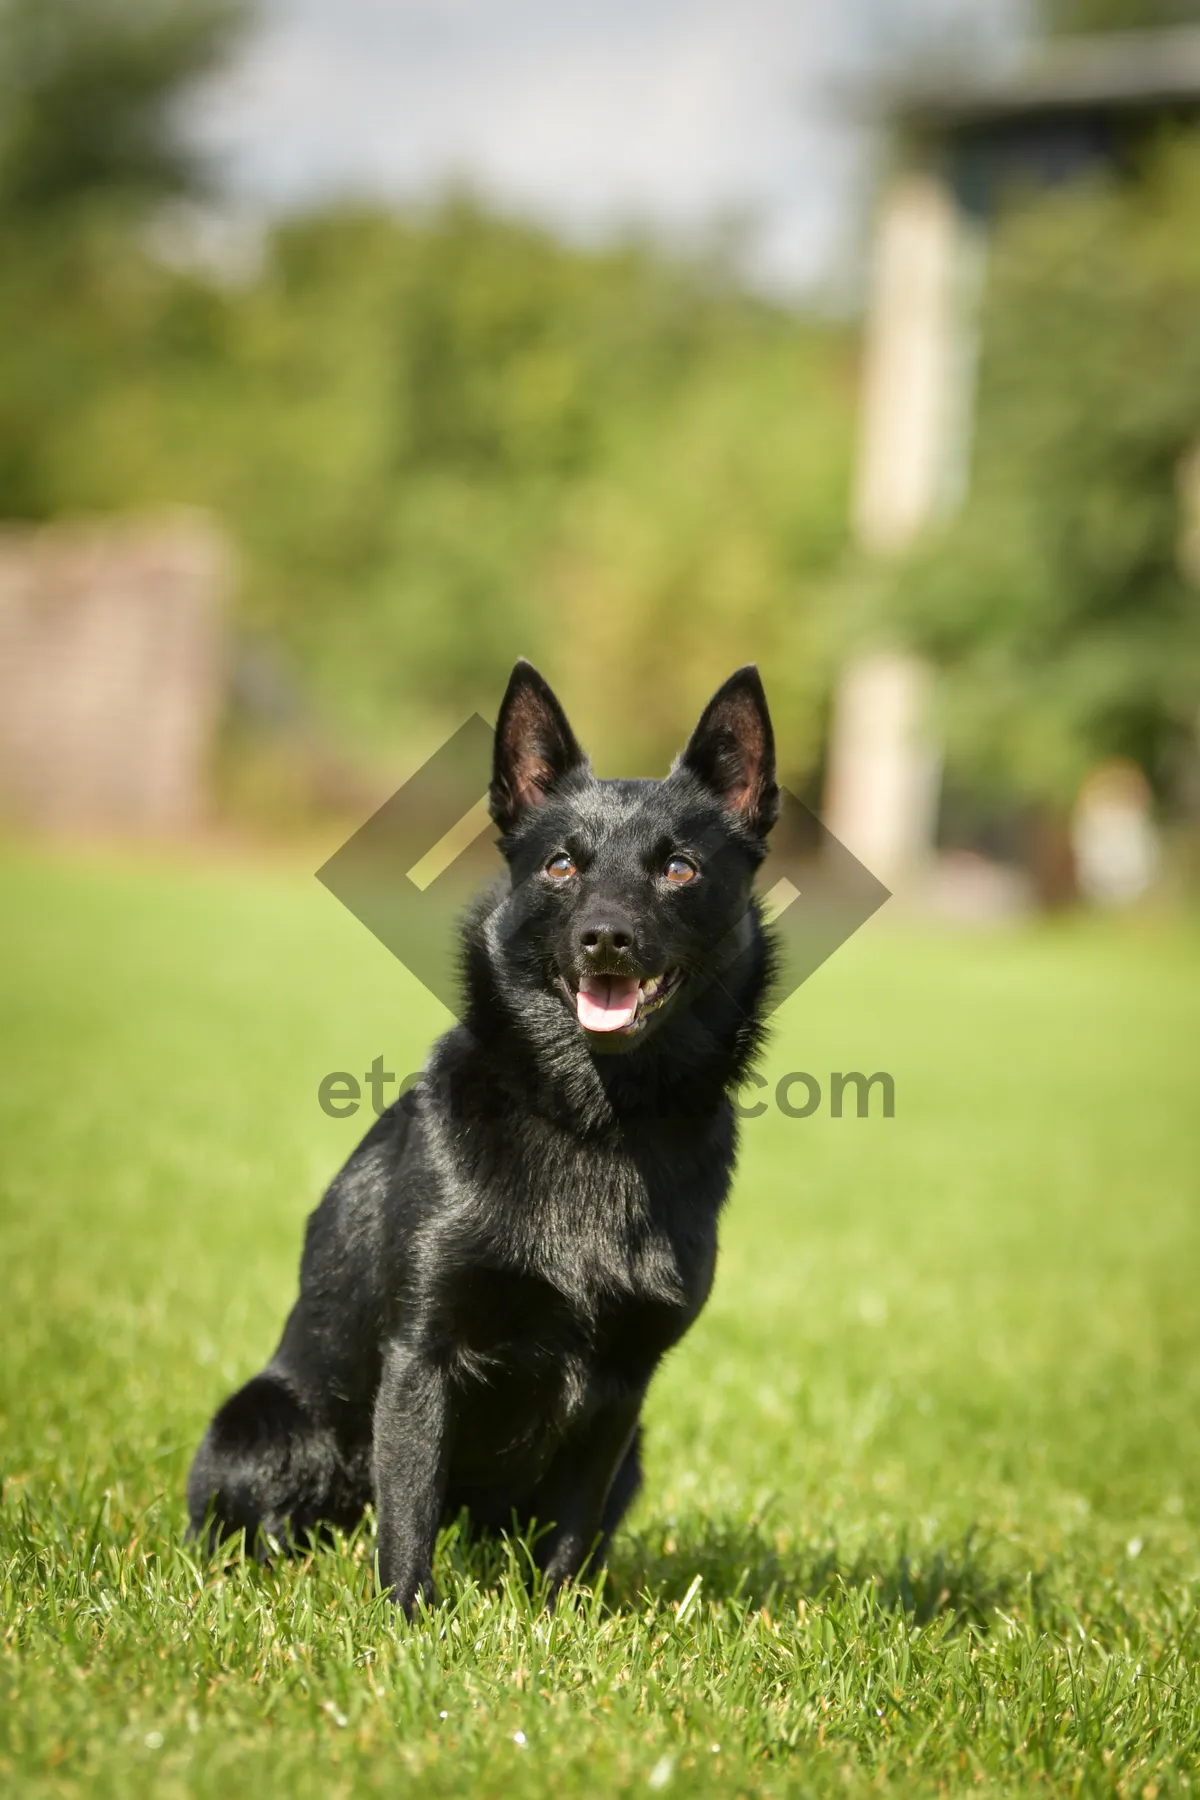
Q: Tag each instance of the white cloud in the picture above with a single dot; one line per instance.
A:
(665, 111)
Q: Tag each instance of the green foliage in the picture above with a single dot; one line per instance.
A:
(1056, 603)
(439, 439)
(1077, 17)
(96, 339)
(89, 95)
(922, 1504)
(453, 440)
(444, 439)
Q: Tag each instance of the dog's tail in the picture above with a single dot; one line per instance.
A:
(267, 1466)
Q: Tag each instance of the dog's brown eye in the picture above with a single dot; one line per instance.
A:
(561, 866)
(679, 870)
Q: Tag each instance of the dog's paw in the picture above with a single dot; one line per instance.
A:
(410, 1595)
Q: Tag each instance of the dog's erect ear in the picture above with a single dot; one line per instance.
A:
(732, 751)
(535, 747)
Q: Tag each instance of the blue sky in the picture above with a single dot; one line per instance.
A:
(667, 112)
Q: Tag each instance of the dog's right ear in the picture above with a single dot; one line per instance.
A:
(535, 747)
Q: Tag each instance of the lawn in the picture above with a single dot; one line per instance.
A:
(923, 1485)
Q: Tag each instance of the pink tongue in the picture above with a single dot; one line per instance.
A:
(606, 1002)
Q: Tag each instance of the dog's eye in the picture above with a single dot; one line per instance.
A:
(680, 870)
(561, 866)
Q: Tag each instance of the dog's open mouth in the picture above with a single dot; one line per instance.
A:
(622, 1002)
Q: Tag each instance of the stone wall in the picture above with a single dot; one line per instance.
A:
(111, 668)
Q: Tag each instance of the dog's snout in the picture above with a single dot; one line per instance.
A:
(605, 939)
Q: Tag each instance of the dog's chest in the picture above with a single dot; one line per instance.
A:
(573, 1269)
(583, 1284)
(581, 1287)
(538, 1349)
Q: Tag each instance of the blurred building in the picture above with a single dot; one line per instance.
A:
(1080, 105)
(110, 673)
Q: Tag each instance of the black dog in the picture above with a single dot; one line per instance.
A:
(489, 1284)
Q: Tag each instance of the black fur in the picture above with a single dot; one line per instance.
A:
(489, 1284)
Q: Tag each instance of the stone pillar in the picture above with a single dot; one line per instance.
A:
(917, 373)
(881, 797)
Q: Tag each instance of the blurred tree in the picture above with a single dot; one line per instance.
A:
(1056, 603)
(90, 92)
(440, 438)
(1077, 17)
(91, 142)
(468, 441)
(445, 439)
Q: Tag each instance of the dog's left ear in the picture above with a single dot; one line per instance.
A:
(732, 751)
(535, 747)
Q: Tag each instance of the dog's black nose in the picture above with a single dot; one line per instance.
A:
(603, 940)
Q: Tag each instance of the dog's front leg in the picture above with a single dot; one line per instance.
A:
(409, 1456)
(572, 1498)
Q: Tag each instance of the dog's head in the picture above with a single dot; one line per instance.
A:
(628, 895)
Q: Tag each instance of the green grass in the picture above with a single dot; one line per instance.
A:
(923, 1484)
